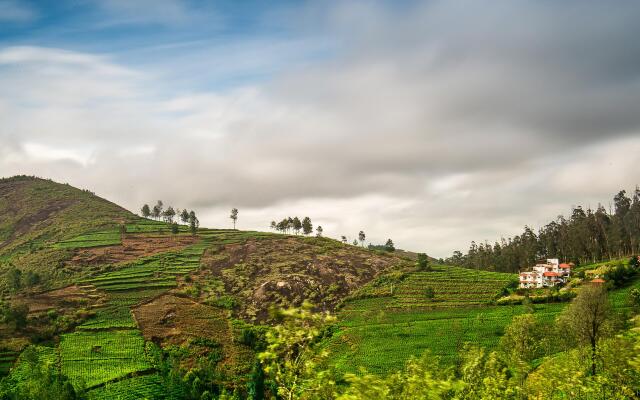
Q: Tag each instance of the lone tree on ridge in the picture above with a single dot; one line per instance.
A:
(234, 216)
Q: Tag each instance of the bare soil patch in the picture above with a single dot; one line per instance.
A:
(67, 298)
(173, 320)
(132, 248)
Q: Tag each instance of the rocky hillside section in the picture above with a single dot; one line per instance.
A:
(282, 271)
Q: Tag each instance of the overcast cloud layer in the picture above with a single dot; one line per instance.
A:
(432, 123)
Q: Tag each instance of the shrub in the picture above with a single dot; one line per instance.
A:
(429, 293)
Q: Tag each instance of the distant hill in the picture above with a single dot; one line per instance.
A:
(39, 211)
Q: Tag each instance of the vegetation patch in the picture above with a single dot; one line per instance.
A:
(93, 358)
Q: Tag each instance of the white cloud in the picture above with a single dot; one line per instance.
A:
(433, 132)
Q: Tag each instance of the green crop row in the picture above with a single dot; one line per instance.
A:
(92, 358)
(139, 387)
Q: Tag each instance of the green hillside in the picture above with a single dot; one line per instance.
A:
(36, 212)
(380, 328)
(115, 290)
(124, 308)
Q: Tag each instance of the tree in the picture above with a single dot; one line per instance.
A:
(39, 379)
(184, 216)
(291, 361)
(168, 215)
(344, 239)
(157, 210)
(297, 225)
(14, 279)
(273, 225)
(361, 237)
(523, 339)
(389, 245)
(145, 211)
(587, 318)
(32, 278)
(587, 236)
(174, 228)
(307, 227)
(14, 314)
(355, 242)
(234, 216)
(319, 231)
(193, 223)
(255, 386)
(423, 262)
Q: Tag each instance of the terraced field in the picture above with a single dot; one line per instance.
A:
(399, 319)
(94, 239)
(93, 358)
(7, 359)
(108, 351)
(381, 341)
(381, 333)
(452, 287)
(140, 387)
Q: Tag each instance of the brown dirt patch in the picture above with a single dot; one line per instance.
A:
(170, 319)
(132, 248)
(70, 297)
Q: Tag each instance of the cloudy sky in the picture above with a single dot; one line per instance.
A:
(431, 122)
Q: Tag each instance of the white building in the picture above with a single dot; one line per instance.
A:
(546, 274)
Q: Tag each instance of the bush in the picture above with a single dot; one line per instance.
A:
(429, 293)
(227, 302)
(634, 297)
(621, 274)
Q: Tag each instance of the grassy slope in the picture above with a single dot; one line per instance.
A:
(37, 213)
(44, 226)
(378, 332)
(381, 333)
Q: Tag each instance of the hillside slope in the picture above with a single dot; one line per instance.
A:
(36, 211)
(106, 296)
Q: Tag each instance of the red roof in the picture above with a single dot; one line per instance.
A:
(597, 280)
(565, 266)
(551, 274)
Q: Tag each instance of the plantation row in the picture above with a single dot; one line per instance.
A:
(95, 239)
(139, 387)
(7, 358)
(380, 341)
(97, 357)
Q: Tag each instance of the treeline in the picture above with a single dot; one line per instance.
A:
(587, 236)
(158, 212)
(295, 225)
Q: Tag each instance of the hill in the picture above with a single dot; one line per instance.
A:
(125, 308)
(111, 284)
(36, 211)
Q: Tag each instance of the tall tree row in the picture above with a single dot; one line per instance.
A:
(586, 236)
(295, 225)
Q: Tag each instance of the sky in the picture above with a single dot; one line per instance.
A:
(432, 123)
